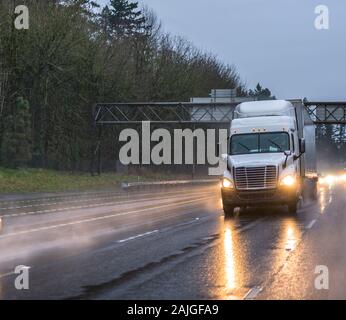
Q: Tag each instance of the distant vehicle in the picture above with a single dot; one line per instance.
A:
(271, 158)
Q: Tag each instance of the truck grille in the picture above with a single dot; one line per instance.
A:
(256, 195)
(256, 177)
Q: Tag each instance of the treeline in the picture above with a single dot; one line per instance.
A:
(75, 54)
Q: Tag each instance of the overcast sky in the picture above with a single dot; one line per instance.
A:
(273, 42)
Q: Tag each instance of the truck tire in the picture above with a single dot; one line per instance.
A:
(293, 208)
(229, 211)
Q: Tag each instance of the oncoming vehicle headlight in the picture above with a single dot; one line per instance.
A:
(321, 181)
(228, 184)
(288, 181)
(330, 179)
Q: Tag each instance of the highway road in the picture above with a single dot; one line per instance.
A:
(171, 243)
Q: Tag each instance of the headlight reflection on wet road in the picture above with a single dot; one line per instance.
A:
(230, 272)
(291, 235)
(234, 260)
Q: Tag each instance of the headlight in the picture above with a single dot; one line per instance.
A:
(330, 180)
(226, 183)
(288, 181)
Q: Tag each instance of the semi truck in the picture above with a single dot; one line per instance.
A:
(271, 156)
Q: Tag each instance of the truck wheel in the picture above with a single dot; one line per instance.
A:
(229, 211)
(293, 207)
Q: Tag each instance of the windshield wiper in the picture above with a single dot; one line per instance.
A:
(244, 146)
(275, 144)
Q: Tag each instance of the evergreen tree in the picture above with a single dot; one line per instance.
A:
(261, 93)
(123, 19)
(16, 145)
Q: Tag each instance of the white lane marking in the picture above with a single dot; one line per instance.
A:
(252, 293)
(6, 274)
(138, 236)
(90, 206)
(47, 201)
(140, 198)
(183, 224)
(183, 203)
(69, 201)
(251, 224)
(55, 203)
(311, 224)
(82, 197)
(155, 231)
(96, 205)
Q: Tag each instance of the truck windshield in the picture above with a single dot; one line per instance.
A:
(260, 143)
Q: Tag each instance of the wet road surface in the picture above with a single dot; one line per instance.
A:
(172, 243)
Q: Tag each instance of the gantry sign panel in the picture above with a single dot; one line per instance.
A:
(327, 112)
(134, 113)
(194, 113)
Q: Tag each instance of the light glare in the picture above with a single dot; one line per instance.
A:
(227, 183)
(288, 181)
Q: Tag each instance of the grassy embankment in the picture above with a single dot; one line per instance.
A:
(40, 180)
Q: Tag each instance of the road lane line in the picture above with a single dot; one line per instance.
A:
(85, 196)
(140, 198)
(250, 225)
(311, 224)
(6, 275)
(93, 206)
(63, 197)
(244, 228)
(183, 203)
(87, 206)
(138, 236)
(252, 293)
(75, 201)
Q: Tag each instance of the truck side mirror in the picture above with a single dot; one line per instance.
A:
(302, 145)
(287, 153)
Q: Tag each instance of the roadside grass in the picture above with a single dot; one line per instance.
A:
(42, 180)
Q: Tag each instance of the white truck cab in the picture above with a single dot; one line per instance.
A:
(266, 160)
